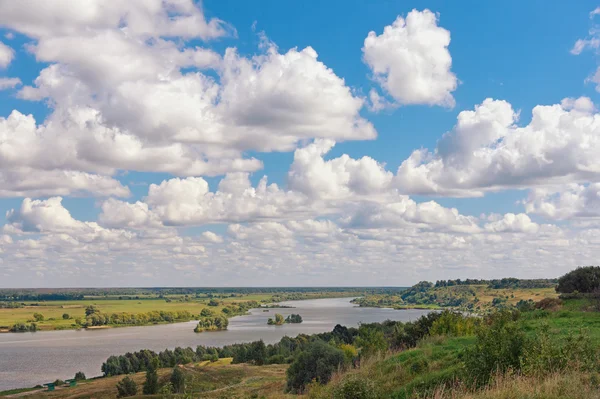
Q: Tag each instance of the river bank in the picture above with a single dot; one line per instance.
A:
(29, 359)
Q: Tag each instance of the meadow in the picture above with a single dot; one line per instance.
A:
(139, 301)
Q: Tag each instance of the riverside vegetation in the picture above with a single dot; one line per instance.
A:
(548, 348)
(45, 309)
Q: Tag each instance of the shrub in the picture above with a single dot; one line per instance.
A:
(543, 356)
(355, 387)
(126, 387)
(318, 362)
(498, 348)
(38, 317)
(79, 376)
(66, 316)
(552, 304)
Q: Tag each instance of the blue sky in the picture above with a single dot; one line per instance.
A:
(518, 52)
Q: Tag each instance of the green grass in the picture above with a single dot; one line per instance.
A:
(55, 309)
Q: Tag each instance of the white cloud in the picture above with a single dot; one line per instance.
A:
(571, 201)
(336, 178)
(9, 83)
(6, 55)
(488, 151)
(411, 61)
(129, 92)
(591, 42)
(140, 17)
(510, 222)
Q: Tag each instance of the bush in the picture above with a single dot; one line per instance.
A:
(126, 387)
(552, 304)
(498, 348)
(318, 362)
(354, 387)
(38, 317)
(543, 356)
(66, 316)
(79, 376)
(582, 279)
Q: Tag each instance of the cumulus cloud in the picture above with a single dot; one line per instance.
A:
(411, 61)
(6, 55)
(487, 151)
(571, 201)
(142, 18)
(336, 178)
(129, 91)
(510, 222)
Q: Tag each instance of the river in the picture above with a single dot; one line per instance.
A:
(27, 359)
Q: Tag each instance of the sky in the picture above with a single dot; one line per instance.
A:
(280, 143)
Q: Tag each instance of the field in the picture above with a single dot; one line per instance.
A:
(207, 380)
(53, 310)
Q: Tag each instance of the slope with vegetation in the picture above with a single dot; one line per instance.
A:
(465, 295)
(548, 348)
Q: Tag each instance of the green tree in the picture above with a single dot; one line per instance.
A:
(206, 312)
(79, 376)
(178, 380)
(151, 384)
(126, 387)
(38, 317)
(371, 340)
(582, 279)
(90, 310)
(318, 362)
(66, 316)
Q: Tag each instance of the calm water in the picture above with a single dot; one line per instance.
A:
(27, 359)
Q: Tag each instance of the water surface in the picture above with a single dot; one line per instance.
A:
(27, 359)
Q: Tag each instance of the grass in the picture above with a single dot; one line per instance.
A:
(220, 379)
(435, 361)
(54, 310)
(555, 386)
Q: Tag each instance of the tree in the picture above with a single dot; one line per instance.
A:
(178, 380)
(66, 316)
(38, 317)
(79, 376)
(126, 387)
(294, 318)
(90, 310)
(151, 384)
(279, 320)
(318, 362)
(206, 312)
(582, 279)
(257, 353)
(371, 340)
